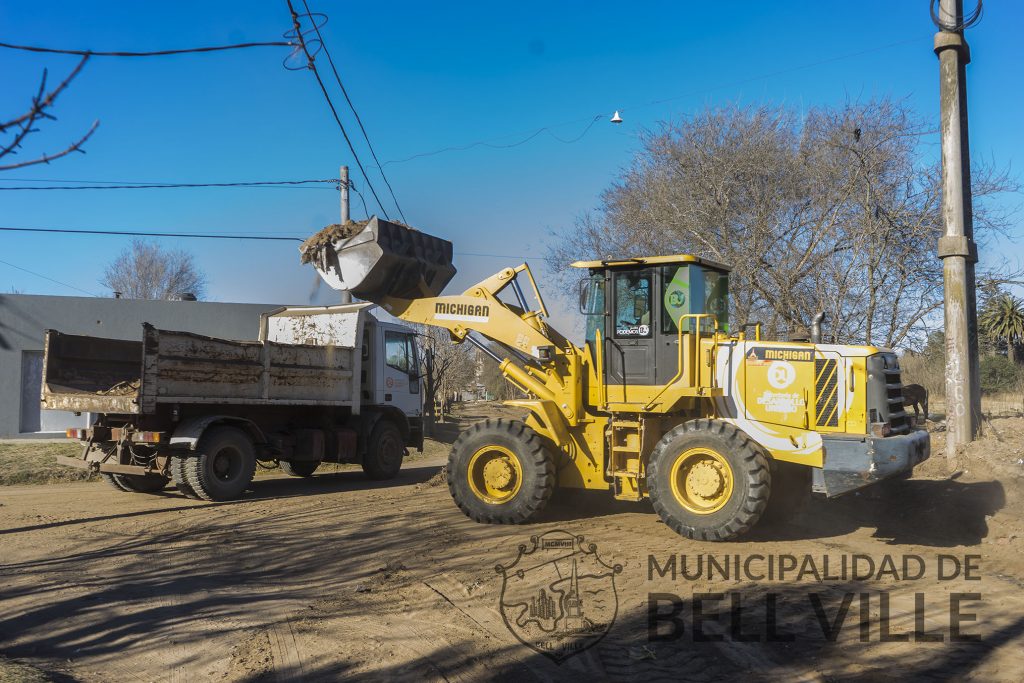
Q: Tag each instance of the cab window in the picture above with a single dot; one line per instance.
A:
(716, 293)
(592, 304)
(397, 351)
(632, 305)
(675, 296)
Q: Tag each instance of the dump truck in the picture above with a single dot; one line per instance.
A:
(321, 384)
(665, 400)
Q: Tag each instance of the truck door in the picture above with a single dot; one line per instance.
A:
(630, 345)
(401, 371)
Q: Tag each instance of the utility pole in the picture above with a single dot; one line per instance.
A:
(957, 249)
(344, 195)
(346, 296)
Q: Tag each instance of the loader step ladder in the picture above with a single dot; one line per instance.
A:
(625, 439)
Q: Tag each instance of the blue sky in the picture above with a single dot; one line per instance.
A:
(425, 76)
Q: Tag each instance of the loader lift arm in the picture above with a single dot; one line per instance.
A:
(539, 359)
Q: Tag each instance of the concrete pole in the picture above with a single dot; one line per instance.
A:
(344, 195)
(956, 247)
(346, 296)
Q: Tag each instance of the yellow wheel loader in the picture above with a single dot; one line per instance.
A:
(665, 400)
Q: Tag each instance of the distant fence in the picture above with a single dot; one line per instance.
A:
(994, 405)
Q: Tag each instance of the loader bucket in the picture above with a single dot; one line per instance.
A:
(378, 259)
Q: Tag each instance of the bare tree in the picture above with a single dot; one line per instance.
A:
(834, 211)
(145, 270)
(21, 127)
(448, 369)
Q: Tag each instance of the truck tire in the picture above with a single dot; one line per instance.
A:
(111, 481)
(385, 451)
(141, 483)
(299, 468)
(791, 491)
(223, 466)
(499, 472)
(180, 478)
(707, 480)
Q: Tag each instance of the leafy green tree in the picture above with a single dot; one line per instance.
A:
(1002, 317)
(998, 374)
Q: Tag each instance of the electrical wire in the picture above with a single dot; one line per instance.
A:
(531, 134)
(297, 34)
(136, 233)
(45, 277)
(222, 236)
(966, 21)
(151, 186)
(154, 53)
(369, 145)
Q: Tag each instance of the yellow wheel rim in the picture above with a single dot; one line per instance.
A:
(702, 481)
(495, 474)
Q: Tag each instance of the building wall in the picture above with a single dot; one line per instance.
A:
(24, 318)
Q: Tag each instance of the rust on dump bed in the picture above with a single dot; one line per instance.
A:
(327, 236)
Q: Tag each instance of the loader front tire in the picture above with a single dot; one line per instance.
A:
(499, 472)
(223, 466)
(708, 481)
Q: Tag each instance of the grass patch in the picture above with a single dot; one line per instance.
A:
(25, 462)
(16, 672)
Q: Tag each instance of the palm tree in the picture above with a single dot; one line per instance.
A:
(1003, 318)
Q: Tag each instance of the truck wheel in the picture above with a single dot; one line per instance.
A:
(141, 483)
(385, 451)
(791, 491)
(500, 473)
(179, 477)
(109, 478)
(708, 481)
(223, 466)
(299, 468)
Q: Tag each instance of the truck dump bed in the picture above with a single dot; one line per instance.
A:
(97, 375)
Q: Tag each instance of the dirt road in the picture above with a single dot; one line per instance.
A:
(341, 577)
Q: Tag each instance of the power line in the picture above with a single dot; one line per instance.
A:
(154, 53)
(31, 272)
(134, 233)
(151, 186)
(531, 134)
(298, 35)
(323, 45)
(222, 236)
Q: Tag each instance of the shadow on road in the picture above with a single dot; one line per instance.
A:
(260, 489)
(939, 513)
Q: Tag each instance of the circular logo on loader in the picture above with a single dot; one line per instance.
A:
(558, 596)
(781, 374)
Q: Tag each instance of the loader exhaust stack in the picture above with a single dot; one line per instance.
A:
(378, 259)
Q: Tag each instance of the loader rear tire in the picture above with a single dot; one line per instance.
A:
(179, 477)
(299, 468)
(708, 481)
(224, 465)
(499, 472)
(141, 483)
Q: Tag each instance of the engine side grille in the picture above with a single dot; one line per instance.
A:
(827, 392)
(898, 422)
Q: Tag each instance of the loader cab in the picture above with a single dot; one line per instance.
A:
(638, 306)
